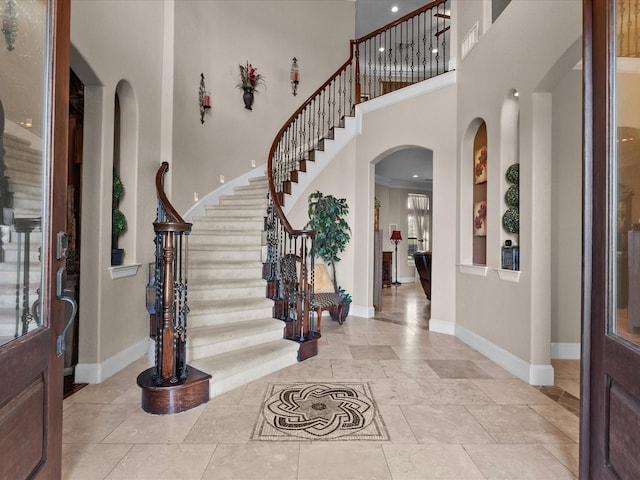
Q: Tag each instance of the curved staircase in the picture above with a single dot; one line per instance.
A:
(232, 334)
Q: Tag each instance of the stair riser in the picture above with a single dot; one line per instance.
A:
(202, 351)
(203, 319)
(248, 225)
(218, 386)
(258, 204)
(228, 293)
(196, 256)
(222, 239)
(216, 275)
(222, 212)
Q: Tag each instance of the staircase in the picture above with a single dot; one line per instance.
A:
(23, 166)
(232, 335)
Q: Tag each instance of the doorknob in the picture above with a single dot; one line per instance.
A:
(60, 293)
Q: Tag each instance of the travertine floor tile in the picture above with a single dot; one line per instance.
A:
(163, 462)
(397, 427)
(512, 391)
(91, 461)
(447, 391)
(457, 369)
(372, 352)
(567, 454)
(407, 369)
(561, 418)
(430, 462)
(444, 424)
(142, 427)
(91, 423)
(516, 424)
(323, 461)
(224, 423)
(352, 369)
(389, 391)
(517, 462)
(255, 461)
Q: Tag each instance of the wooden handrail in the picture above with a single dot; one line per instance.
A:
(176, 222)
(368, 72)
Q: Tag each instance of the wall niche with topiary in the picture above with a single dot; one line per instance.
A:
(511, 218)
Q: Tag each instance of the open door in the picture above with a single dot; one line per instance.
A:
(610, 414)
(34, 78)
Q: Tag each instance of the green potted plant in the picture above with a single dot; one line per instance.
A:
(118, 220)
(327, 216)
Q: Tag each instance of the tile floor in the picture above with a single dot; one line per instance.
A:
(450, 412)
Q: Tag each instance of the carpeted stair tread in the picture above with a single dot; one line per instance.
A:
(227, 305)
(235, 332)
(239, 367)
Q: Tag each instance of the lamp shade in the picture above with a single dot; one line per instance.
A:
(396, 235)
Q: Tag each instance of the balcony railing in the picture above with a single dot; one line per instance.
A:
(411, 49)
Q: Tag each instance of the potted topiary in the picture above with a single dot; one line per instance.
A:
(327, 216)
(118, 220)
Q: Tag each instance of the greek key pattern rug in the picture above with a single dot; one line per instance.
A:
(319, 411)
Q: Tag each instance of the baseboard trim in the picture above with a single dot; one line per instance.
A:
(565, 351)
(99, 372)
(532, 374)
(442, 326)
(359, 311)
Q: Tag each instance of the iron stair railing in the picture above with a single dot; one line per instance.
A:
(412, 49)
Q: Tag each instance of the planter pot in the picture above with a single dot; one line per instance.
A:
(247, 96)
(117, 255)
(345, 312)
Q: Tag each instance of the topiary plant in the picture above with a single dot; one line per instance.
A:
(327, 216)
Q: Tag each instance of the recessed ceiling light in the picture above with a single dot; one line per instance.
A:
(381, 49)
(394, 9)
(414, 175)
(434, 50)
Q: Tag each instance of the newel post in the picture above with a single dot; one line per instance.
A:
(171, 386)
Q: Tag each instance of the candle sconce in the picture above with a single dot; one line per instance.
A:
(204, 98)
(295, 76)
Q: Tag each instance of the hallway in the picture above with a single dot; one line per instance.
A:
(449, 413)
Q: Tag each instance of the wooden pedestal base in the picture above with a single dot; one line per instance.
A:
(308, 348)
(177, 397)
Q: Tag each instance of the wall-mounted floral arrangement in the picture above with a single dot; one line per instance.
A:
(511, 218)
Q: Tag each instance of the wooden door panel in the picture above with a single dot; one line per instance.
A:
(31, 374)
(623, 437)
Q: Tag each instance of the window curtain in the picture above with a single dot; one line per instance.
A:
(420, 210)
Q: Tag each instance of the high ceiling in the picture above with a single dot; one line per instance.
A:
(373, 14)
(397, 169)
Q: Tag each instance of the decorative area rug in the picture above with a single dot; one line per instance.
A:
(319, 411)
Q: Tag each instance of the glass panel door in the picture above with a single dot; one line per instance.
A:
(23, 145)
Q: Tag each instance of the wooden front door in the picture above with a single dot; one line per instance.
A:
(34, 77)
(610, 416)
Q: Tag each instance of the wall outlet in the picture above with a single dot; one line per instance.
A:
(253, 164)
(221, 178)
(195, 197)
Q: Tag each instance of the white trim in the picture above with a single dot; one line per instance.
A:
(359, 311)
(533, 374)
(540, 375)
(478, 270)
(565, 351)
(508, 275)
(122, 271)
(99, 372)
(407, 93)
(442, 326)
(213, 198)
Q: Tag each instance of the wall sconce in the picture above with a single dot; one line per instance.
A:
(204, 98)
(10, 24)
(295, 76)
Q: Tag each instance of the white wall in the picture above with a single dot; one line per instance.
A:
(566, 220)
(214, 38)
(110, 46)
(514, 317)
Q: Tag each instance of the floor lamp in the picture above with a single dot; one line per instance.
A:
(396, 237)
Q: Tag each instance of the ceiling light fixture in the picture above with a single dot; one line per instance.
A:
(516, 94)
(381, 49)
(394, 9)
(414, 175)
